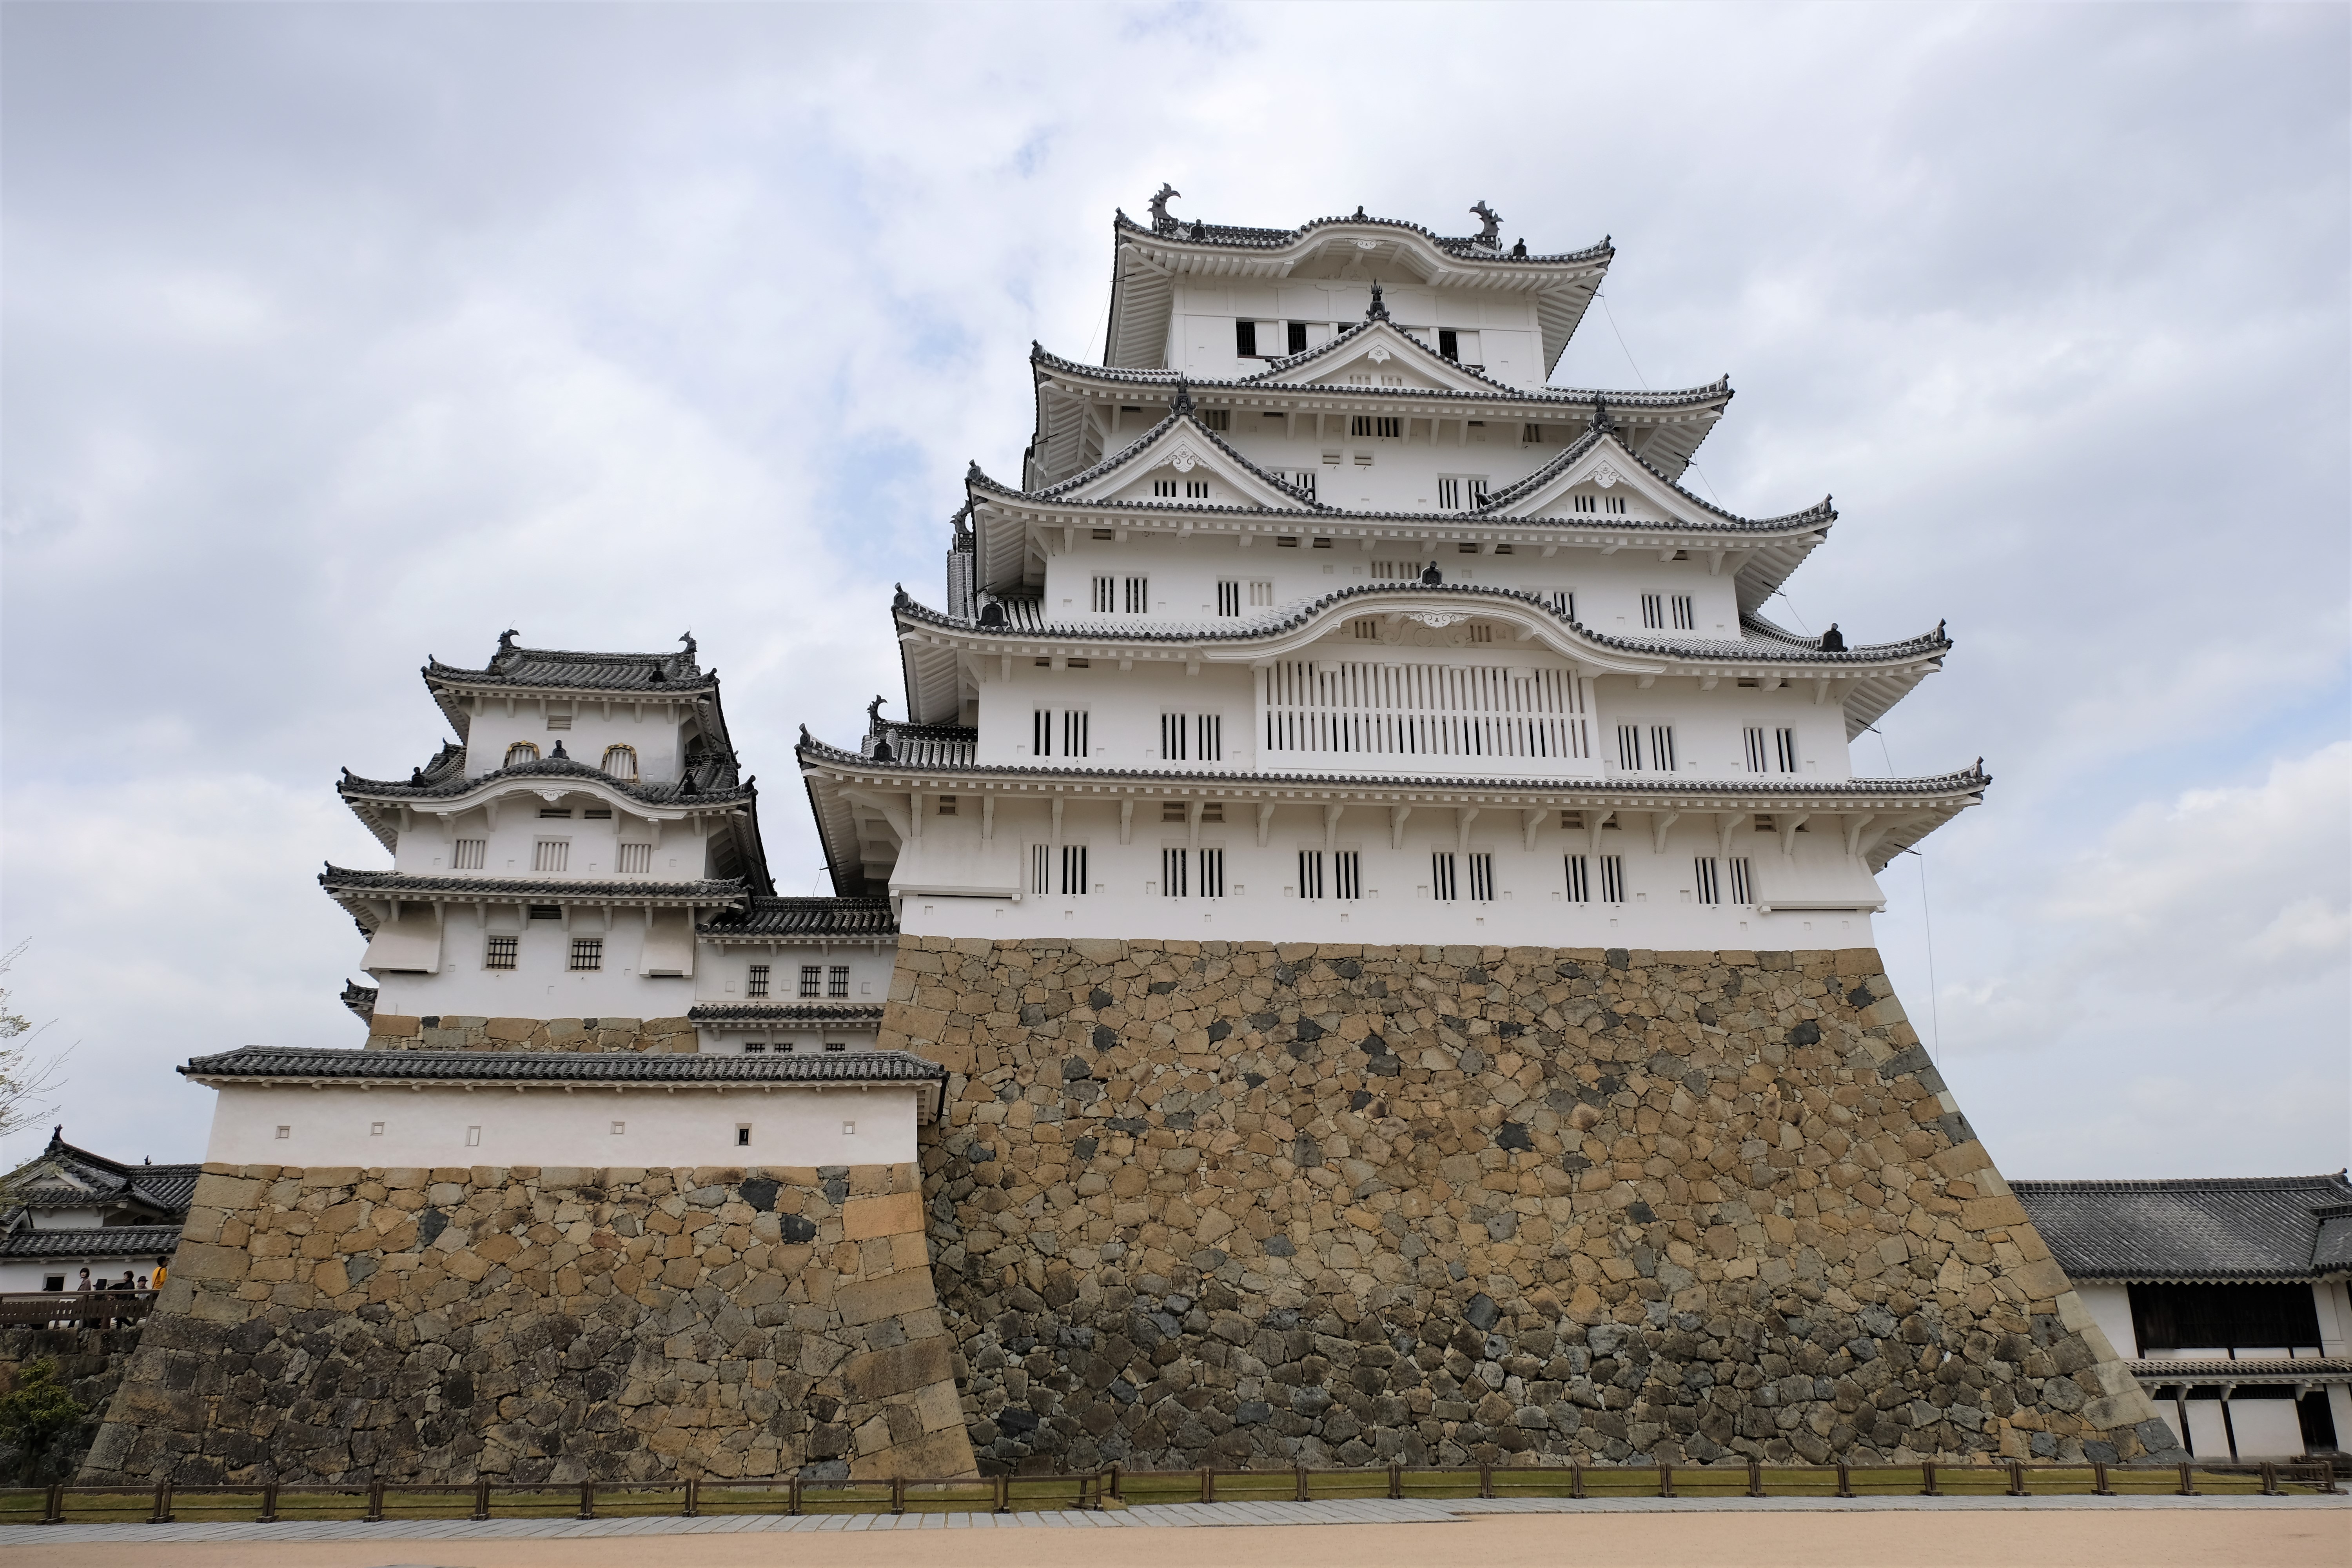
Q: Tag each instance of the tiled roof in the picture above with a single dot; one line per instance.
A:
(780, 1013)
(2248, 1228)
(539, 668)
(1966, 780)
(63, 1176)
(337, 880)
(1466, 248)
(711, 783)
(109, 1241)
(360, 999)
(764, 919)
(564, 1066)
(1817, 515)
(2166, 1370)
(1770, 644)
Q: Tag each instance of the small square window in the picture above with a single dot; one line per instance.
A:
(619, 1128)
(285, 1132)
(375, 1128)
(742, 1135)
(473, 1137)
(849, 1129)
(499, 953)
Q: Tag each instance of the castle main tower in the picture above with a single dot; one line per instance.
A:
(1396, 915)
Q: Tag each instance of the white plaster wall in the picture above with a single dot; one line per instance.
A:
(1184, 573)
(2266, 1429)
(2110, 1308)
(680, 853)
(723, 975)
(653, 728)
(399, 1126)
(1202, 317)
(1261, 903)
(542, 985)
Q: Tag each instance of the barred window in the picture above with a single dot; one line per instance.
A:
(559, 719)
(1753, 737)
(1709, 878)
(621, 762)
(1261, 595)
(1377, 426)
(499, 953)
(1196, 490)
(1173, 737)
(1214, 418)
(1105, 598)
(1311, 873)
(521, 751)
(1482, 878)
(756, 984)
(1579, 879)
(836, 982)
(635, 859)
(1213, 873)
(1785, 747)
(1440, 877)
(1743, 890)
(587, 953)
(1041, 869)
(468, 854)
(1348, 874)
(810, 975)
(1612, 879)
(1685, 614)
(1175, 880)
(1074, 870)
(1229, 598)
(1138, 595)
(1653, 612)
(1164, 488)
(552, 854)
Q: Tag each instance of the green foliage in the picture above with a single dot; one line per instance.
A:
(39, 1421)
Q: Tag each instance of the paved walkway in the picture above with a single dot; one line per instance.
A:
(1369, 1511)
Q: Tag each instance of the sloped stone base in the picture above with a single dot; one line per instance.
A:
(542, 1324)
(1221, 1204)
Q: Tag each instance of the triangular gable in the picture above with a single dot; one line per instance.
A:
(1377, 354)
(1597, 466)
(1178, 452)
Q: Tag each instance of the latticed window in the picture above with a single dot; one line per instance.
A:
(1482, 878)
(1579, 879)
(836, 982)
(499, 953)
(621, 762)
(810, 976)
(587, 953)
(1074, 870)
(468, 854)
(635, 859)
(1441, 876)
(552, 855)
(756, 984)
(521, 751)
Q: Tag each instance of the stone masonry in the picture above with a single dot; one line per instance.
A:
(395, 1032)
(542, 1324)
(1234, 1203)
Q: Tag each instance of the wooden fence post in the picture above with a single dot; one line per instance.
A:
(1576, 1480)
(2188, 1488)
(162, 1514)
(1928, 1478)
(481, 1497)
(1396, 1481)
(1845, 1480)
(1208, 1485)
(54, 1512)
(2270, 1479)
(2099, 1487)
(693, 1497)
(1004, 1494)
(1665, 1479)
(375, 1503)
(898, 1494)
(269, 1504)
(1755, 1478)
(1486, 1478)
(1115, 1484)
(2017, 1480)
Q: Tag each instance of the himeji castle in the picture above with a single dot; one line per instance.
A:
(1319, 613)
(1354, 950)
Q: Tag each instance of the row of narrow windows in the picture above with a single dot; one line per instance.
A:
(552, 857)
(1338, 873)
(1115, 595)
(1200, 737)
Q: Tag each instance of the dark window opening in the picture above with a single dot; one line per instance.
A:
(1448, 344)
(2224, 1316)
(1245, 338)
(1298, 337)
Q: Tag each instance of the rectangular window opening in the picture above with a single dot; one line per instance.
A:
(587, 954)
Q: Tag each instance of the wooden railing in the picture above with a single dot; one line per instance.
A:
(1116, 1488)
(75, 1309)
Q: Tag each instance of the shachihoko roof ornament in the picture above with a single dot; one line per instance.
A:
(1160, 222)
(1379, 311)
(1491, 232)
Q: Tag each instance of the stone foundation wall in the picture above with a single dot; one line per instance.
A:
(542, 1324)
(90, 1363)
(453, 1033)
(1232, 1204)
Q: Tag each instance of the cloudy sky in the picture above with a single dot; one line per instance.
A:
(340, 336)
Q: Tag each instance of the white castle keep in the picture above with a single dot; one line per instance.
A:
(1319, 615)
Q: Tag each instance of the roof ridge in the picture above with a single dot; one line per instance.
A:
(2187, 1184)
(1624, 397)
(1267, 238)
(1136, 447)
